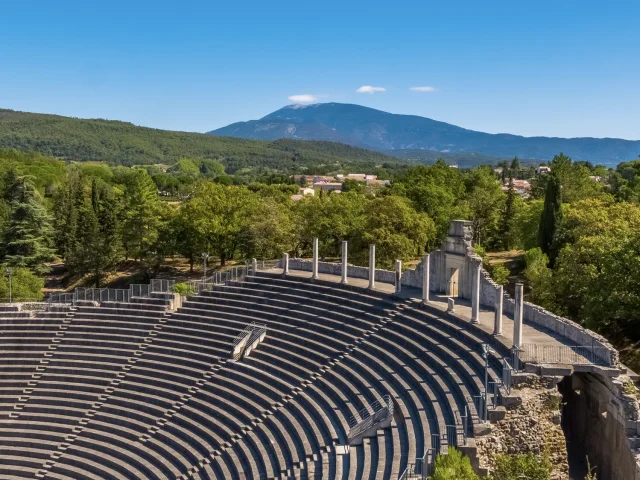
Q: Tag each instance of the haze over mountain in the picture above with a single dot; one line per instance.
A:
(408, 135)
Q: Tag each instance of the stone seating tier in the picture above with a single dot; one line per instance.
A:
(129, 390)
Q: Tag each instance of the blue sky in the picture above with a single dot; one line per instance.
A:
(562, 68)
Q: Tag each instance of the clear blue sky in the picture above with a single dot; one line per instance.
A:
(561, 68)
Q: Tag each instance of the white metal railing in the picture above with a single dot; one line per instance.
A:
(101, 295)
(61, 298)
(140, 290)
(246, 339)
(162, 286)
(376, 412)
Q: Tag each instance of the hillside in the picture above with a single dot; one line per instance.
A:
(123, 143)
(369, 128)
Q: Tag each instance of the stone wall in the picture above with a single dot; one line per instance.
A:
(599, 417)
(535, 315)
(353, 271)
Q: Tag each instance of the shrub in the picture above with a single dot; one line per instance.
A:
(184, 289)
(500, 274)
(453, 466)
(524, 465)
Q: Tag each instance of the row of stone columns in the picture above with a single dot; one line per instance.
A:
(475, 288)
(498, 304)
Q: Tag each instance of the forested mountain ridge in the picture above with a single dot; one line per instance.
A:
(122, 143)
(374, 129)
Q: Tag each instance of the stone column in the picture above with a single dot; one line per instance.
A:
(426, 264)
(497, 321)
(314, 268)
(344, 263)
(372, 267)
(285, 264)
(475, 293)
(517, 316)
(254, 266)
(398, 275)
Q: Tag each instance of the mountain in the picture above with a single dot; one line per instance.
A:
(377, 130)
(123, 143)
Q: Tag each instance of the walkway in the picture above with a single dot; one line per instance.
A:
(531, 334)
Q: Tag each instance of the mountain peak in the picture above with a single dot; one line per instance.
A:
(373, 129)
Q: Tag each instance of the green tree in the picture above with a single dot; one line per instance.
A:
(485, 200)
(141, 215)
(397, 230)
(528, 465)
(437, 190)
(97, 249)
(189, 241)
(551, 216)
(29, 233)
(540, 277)
(526, 225)
(506, 236)
(500, 274)
(25, 285)
(331, 218)
(221, 215)
(515, 166)
(453, 466)
(351, 185)
(270, 231)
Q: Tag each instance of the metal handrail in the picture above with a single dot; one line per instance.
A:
(507, 372)
(370, 410)
(369, 416)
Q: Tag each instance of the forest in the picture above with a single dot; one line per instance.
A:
(575, 240)
(122, 143)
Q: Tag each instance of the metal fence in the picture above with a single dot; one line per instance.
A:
(60, 298)
(162, 286)
(268, 264)
(565, 354)
(101, 295)
(140, 290)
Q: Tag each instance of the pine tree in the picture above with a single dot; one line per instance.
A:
(29, 233)
(550, 218)
(506, 223)
(141, 215)
(515, 166)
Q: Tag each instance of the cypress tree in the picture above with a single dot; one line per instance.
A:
(506, 224)
(550, 218)
(29, 233)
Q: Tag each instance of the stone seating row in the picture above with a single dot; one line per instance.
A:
(132, 392)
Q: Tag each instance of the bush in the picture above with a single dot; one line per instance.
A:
(500, 274)
(184, 289)
(453, 466)
(525, 465)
